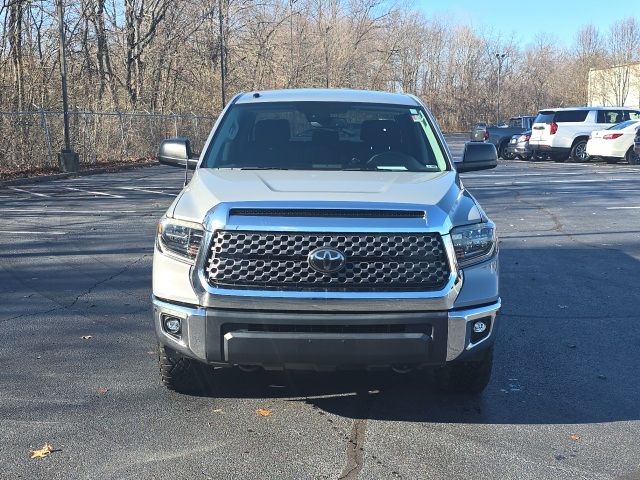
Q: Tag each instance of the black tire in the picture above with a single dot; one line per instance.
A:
(182, 374)
(632, 157)
(503, 151)
(470, 377)
(579, 151)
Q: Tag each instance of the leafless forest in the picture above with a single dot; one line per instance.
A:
(169, 57)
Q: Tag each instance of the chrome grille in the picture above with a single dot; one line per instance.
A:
(375, 262)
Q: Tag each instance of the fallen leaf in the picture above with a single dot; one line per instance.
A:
(44, 451)
(575, 437)
(87, 337)
(217, 410)
(102, 390)
(263, 412)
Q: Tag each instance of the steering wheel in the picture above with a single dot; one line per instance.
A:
(393, 159)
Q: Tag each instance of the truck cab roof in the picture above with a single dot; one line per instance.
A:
(326, 95)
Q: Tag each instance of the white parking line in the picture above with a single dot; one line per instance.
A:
(138, 189)
(575, 182)
(19, 232)
(518, 175)
(623, 208)
(93, 192)
(30, 193)
(68, 211)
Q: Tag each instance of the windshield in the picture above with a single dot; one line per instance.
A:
(325, 136)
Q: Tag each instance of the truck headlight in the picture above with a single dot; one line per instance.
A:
(474, 243)
(179, 239)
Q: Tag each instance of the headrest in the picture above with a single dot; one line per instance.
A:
(380, 133)
(324, 137)
(272, 131)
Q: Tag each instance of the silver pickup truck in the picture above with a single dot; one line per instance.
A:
(321, 230)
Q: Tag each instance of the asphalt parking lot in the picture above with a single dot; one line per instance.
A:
(79, 368)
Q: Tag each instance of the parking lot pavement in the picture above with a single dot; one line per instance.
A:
(79, 368)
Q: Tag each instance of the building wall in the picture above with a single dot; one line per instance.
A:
(615, 86)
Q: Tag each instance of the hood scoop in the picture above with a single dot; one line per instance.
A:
(332, 213)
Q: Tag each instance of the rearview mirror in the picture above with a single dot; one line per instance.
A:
(477, 156)
(176, 152)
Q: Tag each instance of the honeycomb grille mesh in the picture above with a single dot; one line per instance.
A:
(374, 262)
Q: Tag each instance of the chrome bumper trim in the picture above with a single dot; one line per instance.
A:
(192, 342)
(459, 334)
(192, 339)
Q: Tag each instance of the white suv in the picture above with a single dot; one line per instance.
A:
(563, 133)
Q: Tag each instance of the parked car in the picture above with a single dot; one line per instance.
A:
(269, 258)
(615, 143)
(500, 135)
(562, 133)
(519, 146)
(479, 132)
(637, 143)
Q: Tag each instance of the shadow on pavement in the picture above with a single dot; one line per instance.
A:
(567, 352)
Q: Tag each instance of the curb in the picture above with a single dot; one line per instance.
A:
(83, 173)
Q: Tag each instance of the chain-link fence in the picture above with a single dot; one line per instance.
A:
(32, 140)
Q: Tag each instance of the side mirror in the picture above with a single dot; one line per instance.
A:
(478, 156)
(176, 152)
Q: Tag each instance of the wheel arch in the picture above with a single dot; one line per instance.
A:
(579, 138)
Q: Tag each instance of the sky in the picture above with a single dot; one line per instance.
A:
(526, 19)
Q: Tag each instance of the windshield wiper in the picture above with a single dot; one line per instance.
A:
(263, 168)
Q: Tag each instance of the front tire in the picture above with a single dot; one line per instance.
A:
(182, 374)
(468, 377)
(503, 152)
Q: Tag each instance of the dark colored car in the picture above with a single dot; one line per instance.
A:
(518, 146)
(501, 135)
(479, 132)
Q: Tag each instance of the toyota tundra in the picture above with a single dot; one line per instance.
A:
(323, 230)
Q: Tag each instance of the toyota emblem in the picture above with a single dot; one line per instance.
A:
(327, 260)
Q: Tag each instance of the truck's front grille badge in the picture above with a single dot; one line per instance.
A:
(374, 262)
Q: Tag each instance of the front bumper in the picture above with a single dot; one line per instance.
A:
(511, 148)
(324, 340)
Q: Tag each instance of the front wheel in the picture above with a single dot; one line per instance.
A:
(183, 374)
(470, 377)
(579, 152)
(505, 154)
(632, 157)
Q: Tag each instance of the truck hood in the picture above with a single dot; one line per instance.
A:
(209, 187)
